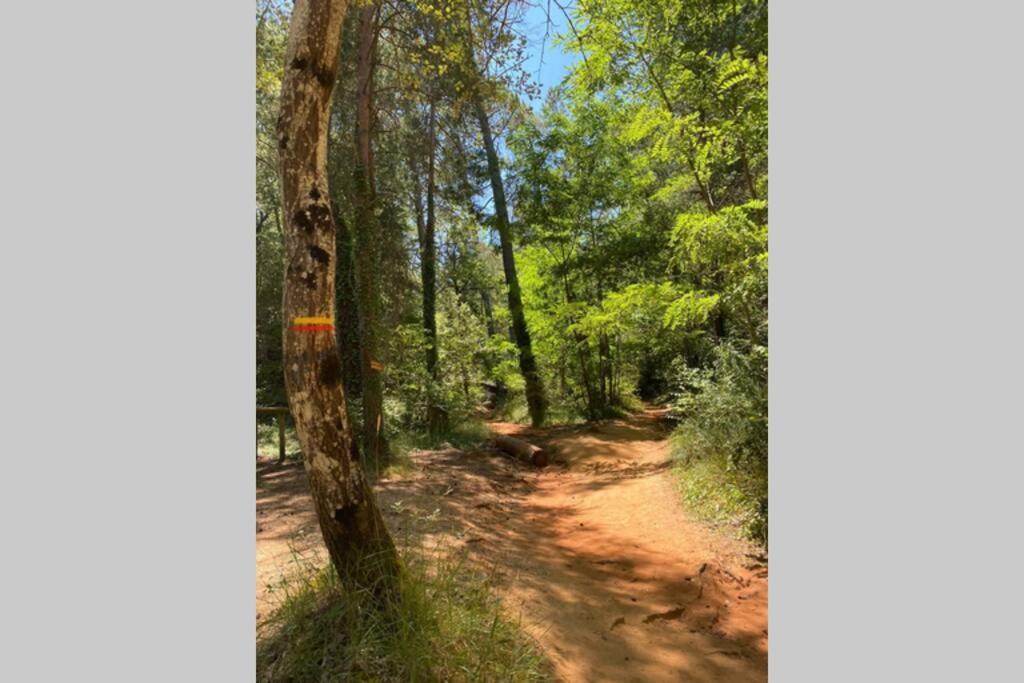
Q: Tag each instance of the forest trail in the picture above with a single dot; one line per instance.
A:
(594, 553)
(615, 580)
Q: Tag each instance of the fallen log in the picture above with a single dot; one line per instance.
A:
(522, 450)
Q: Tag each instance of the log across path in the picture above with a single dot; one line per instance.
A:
(524, 450)
(595, 553)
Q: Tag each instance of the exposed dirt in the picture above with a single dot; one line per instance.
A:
(594, 553)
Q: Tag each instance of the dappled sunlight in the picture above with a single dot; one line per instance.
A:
(593, 554)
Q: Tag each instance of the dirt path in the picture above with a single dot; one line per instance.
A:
(594, 553)
(617, 581)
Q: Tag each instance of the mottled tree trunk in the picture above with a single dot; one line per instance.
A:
(367, 239)
(527, 362)
(359, 545)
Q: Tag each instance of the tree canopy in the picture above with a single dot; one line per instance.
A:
(630, 206)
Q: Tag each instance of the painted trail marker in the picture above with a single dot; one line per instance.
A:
(312, 324)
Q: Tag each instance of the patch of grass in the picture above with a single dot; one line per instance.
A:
(719, 491)
(447, 627)
(563, 413)
(463, 435)
(399, 465)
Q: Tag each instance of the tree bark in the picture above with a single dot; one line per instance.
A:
(436, 416)
(367, 239)
(535, 398)
(428, 256)
(347, 301)
(357, 540)
(485, 299)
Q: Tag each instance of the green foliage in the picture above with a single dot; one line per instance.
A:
(638, 214)
(271, 35)
(710, 246)
(721, 445)
(723, 494)
(463, 342)
(642, 201)
(448, 626)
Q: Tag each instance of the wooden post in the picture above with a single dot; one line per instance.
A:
(280, 436)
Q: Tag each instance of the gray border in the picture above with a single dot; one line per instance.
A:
(895, 329)
(128, 285)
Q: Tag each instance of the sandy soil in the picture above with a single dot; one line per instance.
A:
(594, 553)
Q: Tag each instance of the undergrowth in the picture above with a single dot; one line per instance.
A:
(559, 412)
(448, 626)
(718, 490)
(721, 443)
(465, 434)
(267, 440)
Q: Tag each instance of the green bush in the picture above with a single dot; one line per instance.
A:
(721, 444)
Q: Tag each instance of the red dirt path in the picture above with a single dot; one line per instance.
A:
(594, 553)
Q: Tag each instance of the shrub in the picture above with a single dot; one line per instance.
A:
(721, 444)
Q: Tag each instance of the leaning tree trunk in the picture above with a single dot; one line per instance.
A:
(535, 398)
(368, 243)
(357, 540)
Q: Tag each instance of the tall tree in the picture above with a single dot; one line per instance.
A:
(427, 225)
(535, 396)
(357, 540)
(367, 242)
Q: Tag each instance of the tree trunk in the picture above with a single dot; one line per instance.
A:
(485, 298)
(582, 353)
(367, 239)
(428, 256)
(527, 363)
(436, 416)
(357, 540)
(347, 322)
(605, 366)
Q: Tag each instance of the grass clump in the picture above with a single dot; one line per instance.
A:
(448, 626)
